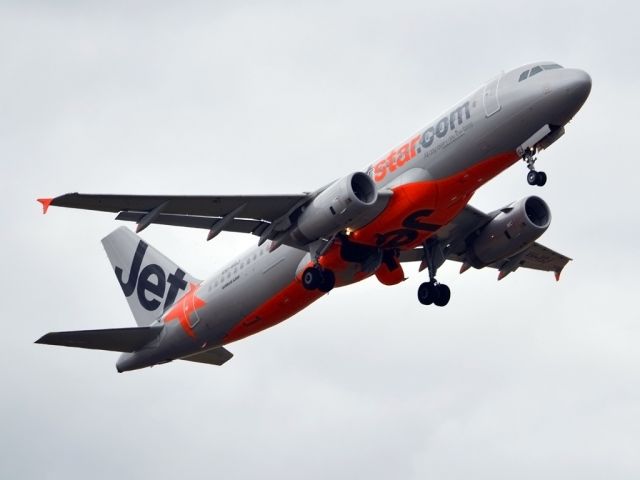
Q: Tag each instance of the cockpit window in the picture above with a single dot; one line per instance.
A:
(536, 70)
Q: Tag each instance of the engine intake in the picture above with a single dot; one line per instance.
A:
(510, 232)
(335, 208)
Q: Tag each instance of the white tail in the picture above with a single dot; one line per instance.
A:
(150, 281)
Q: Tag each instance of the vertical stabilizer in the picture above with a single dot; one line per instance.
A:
(150, 281)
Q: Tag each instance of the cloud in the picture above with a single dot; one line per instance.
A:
(524, 377)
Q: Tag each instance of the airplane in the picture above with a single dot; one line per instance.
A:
(411, 205)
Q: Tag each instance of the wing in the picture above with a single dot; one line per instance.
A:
(453, 237)
(235, 213)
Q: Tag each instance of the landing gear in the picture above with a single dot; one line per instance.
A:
(316, 278)
(328, 281)
(432, 292)
(533, 177)
(536, 178)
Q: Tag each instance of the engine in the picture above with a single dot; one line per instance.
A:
(335, 208)
(510, 232)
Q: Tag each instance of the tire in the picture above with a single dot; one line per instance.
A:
(426, 293)
(328, 281)
(541, 179)
(443, 295)
(311, 278)
(532, 177)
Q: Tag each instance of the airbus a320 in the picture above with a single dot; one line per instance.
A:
(411, 205)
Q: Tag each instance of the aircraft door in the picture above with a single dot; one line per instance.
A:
(490, 98)
(190, 303)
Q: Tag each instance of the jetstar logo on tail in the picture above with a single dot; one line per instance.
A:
(151, 279)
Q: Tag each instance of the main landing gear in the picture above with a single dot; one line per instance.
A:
(533, 177)
(317, 278)
(433, 292)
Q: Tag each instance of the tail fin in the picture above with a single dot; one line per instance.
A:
(150, 281)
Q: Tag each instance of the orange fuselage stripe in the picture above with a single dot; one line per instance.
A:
(445, 198)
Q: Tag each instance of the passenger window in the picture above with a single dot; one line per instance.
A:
(524, 75)
(536, 70)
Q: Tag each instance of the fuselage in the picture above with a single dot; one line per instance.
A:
(432, 175)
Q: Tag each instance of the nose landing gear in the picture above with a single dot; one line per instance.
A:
(533, 177)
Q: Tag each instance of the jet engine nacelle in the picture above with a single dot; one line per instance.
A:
(511, 231)
(335, 208)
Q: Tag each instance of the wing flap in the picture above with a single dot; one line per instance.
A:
(536, 257)
(215, 356)
(539, 257)
(239, 225)
(112, 339)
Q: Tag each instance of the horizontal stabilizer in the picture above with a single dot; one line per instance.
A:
(215, 356)
(113, 339)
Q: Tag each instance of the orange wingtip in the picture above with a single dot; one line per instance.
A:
(557, 274)
(45, 204)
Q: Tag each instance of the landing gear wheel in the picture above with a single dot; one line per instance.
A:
(443, 294)
(533, 177)
(426, 293)
(434, 293)
(328, 281)
(311, 278)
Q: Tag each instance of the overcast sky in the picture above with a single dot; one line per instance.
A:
(524, 378)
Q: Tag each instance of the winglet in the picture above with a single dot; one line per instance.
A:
(557, 274)
(45, 204)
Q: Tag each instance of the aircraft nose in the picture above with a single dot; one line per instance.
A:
(579, 85)
(573, 89)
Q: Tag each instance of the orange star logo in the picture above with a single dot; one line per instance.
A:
(183, 308)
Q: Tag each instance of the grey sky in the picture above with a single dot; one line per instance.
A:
(524, 378)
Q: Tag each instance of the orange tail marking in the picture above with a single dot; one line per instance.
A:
(183, 308)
